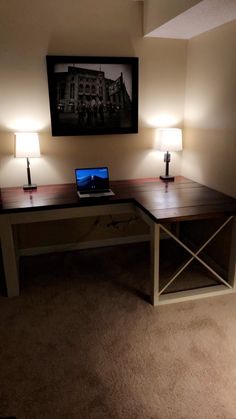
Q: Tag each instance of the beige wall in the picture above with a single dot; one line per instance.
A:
(31, 30)
(209, 155)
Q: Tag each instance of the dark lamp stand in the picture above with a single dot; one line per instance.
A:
(29, 185)
(167, 177)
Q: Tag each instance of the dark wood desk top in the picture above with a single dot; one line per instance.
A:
(182, 199)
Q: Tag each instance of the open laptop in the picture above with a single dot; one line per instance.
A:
(93, 182)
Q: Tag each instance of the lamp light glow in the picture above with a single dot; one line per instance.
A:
(168, 139)
(27, 146)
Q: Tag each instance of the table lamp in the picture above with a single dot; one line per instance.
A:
(27, 146)
(169, 139)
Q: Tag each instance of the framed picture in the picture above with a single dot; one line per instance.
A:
(93, 95)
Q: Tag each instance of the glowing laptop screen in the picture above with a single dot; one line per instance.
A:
(92, 179)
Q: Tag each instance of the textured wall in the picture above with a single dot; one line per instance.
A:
(210, 112)
(30, 30)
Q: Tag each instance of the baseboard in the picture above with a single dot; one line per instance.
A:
(84, 245)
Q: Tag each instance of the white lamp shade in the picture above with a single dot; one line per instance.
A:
(27, 144)
(169, 139)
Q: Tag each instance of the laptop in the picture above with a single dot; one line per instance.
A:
(93, 182)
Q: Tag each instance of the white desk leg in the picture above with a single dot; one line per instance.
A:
(232, 259)
(155, 255)
(9, 256)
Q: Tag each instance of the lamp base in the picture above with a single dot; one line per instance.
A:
(29, 186)
(167, 178)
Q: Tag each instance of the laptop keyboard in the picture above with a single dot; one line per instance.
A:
(94, 192)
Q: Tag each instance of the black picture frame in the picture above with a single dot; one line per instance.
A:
(92, 95)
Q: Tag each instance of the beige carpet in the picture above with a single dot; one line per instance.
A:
(82, 342)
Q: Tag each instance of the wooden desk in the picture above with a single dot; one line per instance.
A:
(162, 205)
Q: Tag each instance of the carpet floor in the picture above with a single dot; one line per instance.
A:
(82, 342)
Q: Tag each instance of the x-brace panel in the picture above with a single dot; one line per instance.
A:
(195, 256)
(157, 293)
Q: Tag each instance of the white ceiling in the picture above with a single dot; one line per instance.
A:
(206, 15)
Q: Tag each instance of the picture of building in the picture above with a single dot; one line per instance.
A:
(89, 98)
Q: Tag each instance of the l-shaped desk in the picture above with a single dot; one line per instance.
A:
(162, 205)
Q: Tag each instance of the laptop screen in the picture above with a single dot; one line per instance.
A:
(93, 179)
